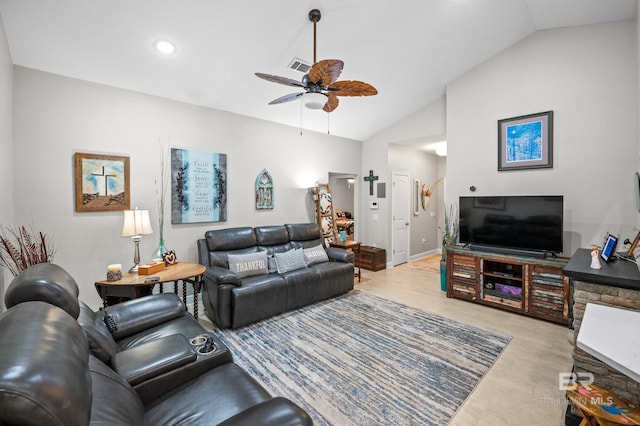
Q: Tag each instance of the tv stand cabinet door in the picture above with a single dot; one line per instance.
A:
(548, 294)
(462, 276)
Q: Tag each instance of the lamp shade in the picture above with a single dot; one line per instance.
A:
(136, 222)
(313, 100)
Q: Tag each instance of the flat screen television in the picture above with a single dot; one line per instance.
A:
(529, 225)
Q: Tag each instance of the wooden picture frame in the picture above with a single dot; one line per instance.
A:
(101, 182)
(526, 142)
(417, 196)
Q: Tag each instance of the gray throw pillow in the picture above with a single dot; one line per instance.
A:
(271, 264)
(315, 255)
(246, 265)
(290, 260)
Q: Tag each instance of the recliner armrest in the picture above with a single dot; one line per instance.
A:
(153, 358)
(338, 254)
(219, 276)
(134, 316)
(278, 411)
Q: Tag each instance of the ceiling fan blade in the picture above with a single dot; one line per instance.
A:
(332, 103)
(278, 79)
(286, 98)
(326, 71)
(352, 88)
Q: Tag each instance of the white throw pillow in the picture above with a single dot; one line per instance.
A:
(290, 260)
(315, 255)
(246, 265)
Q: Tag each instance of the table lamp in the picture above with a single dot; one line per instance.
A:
(136, 224)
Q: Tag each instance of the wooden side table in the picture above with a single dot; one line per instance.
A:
(354, 246)
(602, 407)
(132, 286)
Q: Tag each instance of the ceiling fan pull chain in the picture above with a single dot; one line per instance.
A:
(328, 123)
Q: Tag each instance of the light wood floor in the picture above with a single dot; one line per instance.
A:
(522, 386)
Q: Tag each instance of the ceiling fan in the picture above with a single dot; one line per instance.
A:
(321, 88)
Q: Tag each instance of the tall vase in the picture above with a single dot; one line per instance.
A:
(443, 275)
(159, 251)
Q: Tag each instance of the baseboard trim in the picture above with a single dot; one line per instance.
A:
(424, 254)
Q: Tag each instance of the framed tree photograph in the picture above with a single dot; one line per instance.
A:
(102, 182)
(526, 142)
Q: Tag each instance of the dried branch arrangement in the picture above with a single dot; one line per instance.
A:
(21, 247)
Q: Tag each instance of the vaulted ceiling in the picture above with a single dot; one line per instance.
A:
(408, 49)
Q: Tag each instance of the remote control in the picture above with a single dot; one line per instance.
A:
(151, 279)
(208, 345)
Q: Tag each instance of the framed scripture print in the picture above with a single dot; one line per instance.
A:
(198, 186)
(102, 182)
(526, 142)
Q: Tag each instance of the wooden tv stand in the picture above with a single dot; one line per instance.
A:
(526, 285)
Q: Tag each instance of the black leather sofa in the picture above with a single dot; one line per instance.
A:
(130, 364)
(233, 301)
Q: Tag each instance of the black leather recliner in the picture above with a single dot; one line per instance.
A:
(144, 371)
(232, 301)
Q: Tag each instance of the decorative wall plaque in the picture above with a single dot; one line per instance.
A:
(264, 191)
(198, 186)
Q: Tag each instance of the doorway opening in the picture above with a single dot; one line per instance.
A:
(343, 189)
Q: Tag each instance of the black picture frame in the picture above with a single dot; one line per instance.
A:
(609, 249)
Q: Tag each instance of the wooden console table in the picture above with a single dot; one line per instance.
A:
(354, 246)
(526, 285)
(132, 286)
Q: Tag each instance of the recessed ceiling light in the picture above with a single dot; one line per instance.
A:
(165, 47)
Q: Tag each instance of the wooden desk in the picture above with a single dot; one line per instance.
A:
(132, 286)
(354, 246)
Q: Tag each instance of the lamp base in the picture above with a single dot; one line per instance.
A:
(136, 254)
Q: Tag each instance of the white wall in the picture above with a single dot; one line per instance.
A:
(588, 76)
(6, 144)
(56, 116)
(637, 56)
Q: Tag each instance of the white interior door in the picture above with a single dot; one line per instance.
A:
(400, 217)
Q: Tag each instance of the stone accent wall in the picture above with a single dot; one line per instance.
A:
(604, 375)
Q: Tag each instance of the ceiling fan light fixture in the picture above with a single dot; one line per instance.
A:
(314, 100)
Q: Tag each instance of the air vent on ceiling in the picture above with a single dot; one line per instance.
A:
(299, 65)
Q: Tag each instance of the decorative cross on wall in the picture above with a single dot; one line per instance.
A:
(371, 178)
(106, 179)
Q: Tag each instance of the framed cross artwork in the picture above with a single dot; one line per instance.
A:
(102, 182)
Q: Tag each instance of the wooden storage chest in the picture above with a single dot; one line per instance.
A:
(371, 258)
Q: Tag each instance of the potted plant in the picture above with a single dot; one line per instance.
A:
(449, 238)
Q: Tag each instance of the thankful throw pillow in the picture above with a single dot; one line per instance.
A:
(315, 255)
(246, 265)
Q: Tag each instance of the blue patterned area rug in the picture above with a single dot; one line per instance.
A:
(359, 359)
